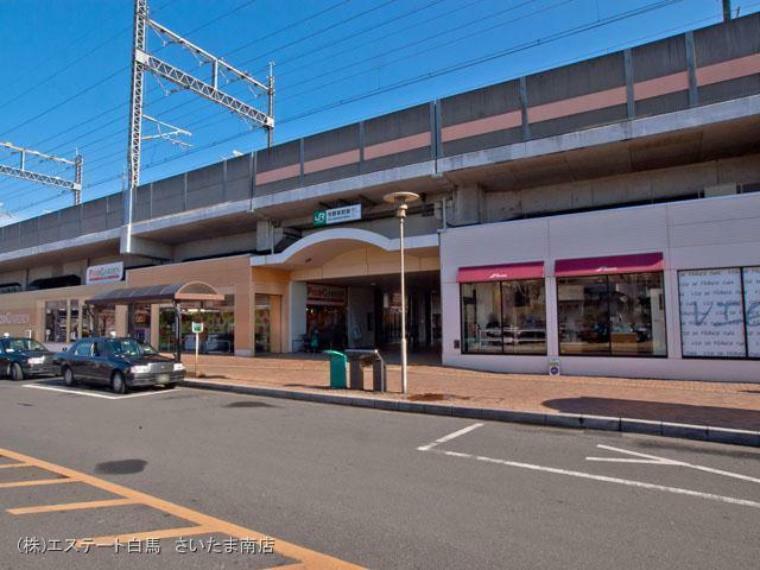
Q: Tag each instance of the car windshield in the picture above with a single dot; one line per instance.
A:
(130, 347)
(23, 345)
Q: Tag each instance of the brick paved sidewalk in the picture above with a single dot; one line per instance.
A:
(716, 404)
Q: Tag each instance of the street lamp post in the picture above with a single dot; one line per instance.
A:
(401, 200)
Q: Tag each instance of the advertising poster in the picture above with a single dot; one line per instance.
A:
(752, 309)
(712, 320)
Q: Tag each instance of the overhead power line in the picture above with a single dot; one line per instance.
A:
(354, 64)
(441, 71)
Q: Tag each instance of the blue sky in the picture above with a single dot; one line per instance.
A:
(66, 68)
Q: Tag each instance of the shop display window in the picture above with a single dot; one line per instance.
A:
(612, 315)
(504, 317)
(139, 322)
(55, 321)
(218, 320)
(720, 312)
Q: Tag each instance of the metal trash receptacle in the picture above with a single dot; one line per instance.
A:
(360, 358)
(338, 366)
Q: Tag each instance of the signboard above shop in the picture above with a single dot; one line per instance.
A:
(337, 215)
(18, 317)
(106, 273)
(325, 295)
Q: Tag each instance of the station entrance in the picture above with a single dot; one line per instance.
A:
(365, 312)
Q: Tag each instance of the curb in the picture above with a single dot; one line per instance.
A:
(573, 421)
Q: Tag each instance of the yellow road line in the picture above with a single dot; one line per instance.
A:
(34, 483)
(141, 536)
(70, 506)
(12, 465)
(309, 558)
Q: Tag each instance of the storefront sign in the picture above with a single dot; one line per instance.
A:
(712, 320)
(337, 215)
(325, 295)
(18, 318)
(106, 273)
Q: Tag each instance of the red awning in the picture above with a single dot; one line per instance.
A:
(637, 263)
(528, 270)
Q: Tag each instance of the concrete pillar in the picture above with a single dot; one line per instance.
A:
(273, 238)
(297, 315)
(263, 236)
(552, 321)
(155, 316)
(469, 205)
(120, 317)
(244, 320)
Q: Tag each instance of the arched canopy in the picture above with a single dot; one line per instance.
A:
(318, 247)
(174, 292)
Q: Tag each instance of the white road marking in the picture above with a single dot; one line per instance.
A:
(663, 461)
(602, 478)
(605, 479)
(651, 459)
(449, 437)
(93, 394)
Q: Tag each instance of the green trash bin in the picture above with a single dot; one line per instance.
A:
(338, 368)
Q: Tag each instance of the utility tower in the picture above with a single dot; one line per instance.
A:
(143, 61)
(75, 185)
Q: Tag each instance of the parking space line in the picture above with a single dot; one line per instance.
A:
(93, 394)
(592, 476)
(70, 506)
(202, 523)
(449, 437)
(141, 536)
(12, 465)
(34, 483)
(664, 461)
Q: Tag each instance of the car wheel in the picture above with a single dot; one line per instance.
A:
(118, 384)
(68, 377)
(17, 372)
(171, 386)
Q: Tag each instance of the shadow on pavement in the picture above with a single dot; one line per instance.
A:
(659, 411)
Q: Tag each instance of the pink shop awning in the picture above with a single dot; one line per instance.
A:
(528, 270)
(637, 263)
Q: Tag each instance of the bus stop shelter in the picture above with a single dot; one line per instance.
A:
(173, 293)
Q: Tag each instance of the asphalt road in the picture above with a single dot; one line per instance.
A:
(376, 489)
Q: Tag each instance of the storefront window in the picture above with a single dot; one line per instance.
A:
(105, 320)
(325, 317)
(481, 307)
(720, 312)
(73, 320)
(55, 321)
(166, 330)
(88, 322)
(139, 322)
(218, 320)
(504, 317)
(751, 281)
(618, 315)
(263, 324)
(523, 315)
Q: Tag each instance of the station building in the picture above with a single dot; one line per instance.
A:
(601, 218)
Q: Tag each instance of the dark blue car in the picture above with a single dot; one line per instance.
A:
(119, 362)
(25, 357)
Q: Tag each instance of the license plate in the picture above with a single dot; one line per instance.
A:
(163, 378)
